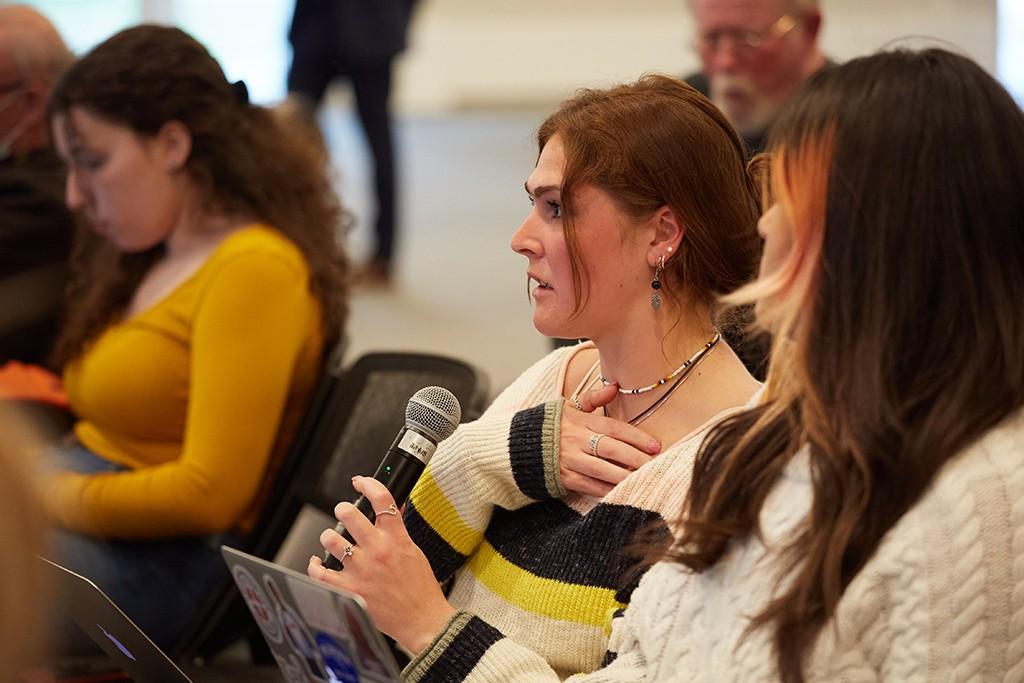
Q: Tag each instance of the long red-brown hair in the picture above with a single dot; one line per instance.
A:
(899, 320)
(658, 142)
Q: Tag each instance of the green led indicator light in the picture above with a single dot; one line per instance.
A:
(387, 468)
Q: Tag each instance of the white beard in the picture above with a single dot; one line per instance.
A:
(754, 111)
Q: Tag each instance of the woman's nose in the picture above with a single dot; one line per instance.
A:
(524, 240)
(74, 196)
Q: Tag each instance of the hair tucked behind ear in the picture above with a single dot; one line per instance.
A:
(243, 160)
(901, 320)
(654, 143)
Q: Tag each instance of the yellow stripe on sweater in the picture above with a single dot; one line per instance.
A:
(547, 597)
(437, 511)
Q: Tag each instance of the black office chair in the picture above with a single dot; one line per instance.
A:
(219, 622)
(351, 423)
(371, 411)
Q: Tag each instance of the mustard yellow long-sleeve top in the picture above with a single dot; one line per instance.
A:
(192, 394)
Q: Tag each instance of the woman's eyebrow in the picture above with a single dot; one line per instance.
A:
(537, 191)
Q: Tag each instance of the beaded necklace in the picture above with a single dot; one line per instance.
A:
(680, 375)
(675, 373)
(649, 410)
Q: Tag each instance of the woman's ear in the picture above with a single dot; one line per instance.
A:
(668, 233)
(173, 145)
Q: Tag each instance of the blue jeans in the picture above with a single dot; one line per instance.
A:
(159, 584)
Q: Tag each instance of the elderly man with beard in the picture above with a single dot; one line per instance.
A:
(754, 54)
(35, 226)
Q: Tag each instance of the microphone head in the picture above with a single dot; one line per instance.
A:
(434, 411)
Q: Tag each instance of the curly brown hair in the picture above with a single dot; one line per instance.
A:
(243, 160)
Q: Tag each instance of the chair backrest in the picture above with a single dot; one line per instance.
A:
(369, 411)
(350, 425)
(207, 633)
(280, 509)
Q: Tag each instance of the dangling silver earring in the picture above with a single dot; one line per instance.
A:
(656, 284)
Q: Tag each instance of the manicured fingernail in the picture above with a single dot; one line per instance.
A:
(653, 447)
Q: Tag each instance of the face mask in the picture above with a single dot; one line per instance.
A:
(17, 130)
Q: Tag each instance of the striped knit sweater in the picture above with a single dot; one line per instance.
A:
(941, 599)
(538, 575)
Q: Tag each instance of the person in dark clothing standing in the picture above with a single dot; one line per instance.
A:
(36, 228)
(357, 40)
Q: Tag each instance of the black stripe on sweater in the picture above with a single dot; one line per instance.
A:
(444, 559)
(655, 536)
(463, 653)
(553, 541)
(526, 452)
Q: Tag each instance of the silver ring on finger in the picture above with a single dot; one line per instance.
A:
(595, 439)
(390, 510)
(347, 552)
(576, 402)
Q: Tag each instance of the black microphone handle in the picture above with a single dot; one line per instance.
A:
(399, 472)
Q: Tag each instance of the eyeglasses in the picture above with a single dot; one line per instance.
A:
(745, 43)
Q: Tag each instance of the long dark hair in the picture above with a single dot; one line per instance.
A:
(654, 143)
(899, 320)
(243, 160)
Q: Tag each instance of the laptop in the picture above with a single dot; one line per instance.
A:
(316, 633)
(111, 629)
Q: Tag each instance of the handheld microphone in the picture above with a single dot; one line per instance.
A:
(431, 416)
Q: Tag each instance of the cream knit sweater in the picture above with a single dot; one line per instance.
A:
(538, 575)
(942, 599)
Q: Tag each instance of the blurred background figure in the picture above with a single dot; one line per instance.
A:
(358, 41)
(754, 54)
(24, 593)
(36, 229)
(203, 299)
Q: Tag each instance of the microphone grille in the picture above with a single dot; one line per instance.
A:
(434, 411)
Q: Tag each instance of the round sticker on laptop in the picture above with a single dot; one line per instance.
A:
(337, 659)
(258, 604)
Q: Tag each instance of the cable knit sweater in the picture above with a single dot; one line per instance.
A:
(538, 574)
(942, 598)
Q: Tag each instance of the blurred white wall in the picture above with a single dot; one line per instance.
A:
(1010, 56)
(501, 53)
